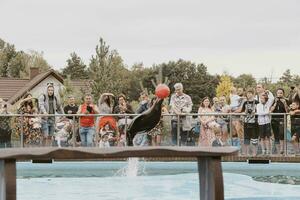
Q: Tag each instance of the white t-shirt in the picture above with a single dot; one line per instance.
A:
(263, 112)
(234, 101)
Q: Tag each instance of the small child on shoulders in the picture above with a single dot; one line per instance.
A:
(235, 100)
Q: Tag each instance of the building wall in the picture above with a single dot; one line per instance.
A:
(41, 88)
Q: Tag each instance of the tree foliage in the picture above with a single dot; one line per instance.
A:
(17, 64)
(75, 68)
(286, 78)
(7, 54)
(244, 81)
(107, 71)
(140, 80)
(69, 90)
(196, 80)
(224, 86)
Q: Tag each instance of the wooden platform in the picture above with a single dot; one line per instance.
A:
(274, 158)
(112, 152)
(208, 158)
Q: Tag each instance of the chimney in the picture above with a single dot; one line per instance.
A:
(33, 72)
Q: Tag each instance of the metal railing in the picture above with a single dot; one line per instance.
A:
(177, 118)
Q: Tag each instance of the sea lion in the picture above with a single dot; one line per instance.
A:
(145, 122)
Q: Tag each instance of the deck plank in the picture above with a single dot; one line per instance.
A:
(113, 152)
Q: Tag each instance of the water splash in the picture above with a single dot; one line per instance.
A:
(133, 168)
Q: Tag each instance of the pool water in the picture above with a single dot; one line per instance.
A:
(156, 180)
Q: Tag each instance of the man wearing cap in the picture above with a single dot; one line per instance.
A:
(180, 104)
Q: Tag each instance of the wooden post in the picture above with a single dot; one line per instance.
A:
(210, 178)
(7, 179)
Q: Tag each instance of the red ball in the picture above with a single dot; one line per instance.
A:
(162, 91)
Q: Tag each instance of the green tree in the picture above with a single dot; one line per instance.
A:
(2, 44)
(67, 90)
(197, 82)
(75, 68)
(244, 81)
(34, 59)
(296, 80)
(7, 53)
(107, 71)
(18, 63)
(138, 78)
(286, 78)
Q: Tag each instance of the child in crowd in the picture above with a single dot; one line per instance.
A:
(218, 141)
(106, 136)
(234, 100)
(63, 132)
(264, 123)
(295, 122)
(250, 124)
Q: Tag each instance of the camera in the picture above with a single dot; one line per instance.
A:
(250, 111)
(89, 109)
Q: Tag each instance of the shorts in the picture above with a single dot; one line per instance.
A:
(296, 130)
(264, 130)
(278, 129)
(48, 127)
(250, 132)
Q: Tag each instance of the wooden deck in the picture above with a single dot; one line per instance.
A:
(274, 158)
(208, 158)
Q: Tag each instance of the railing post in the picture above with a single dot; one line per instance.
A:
(125, 131)
(22, 132)
(96, 126)
(74, 132)
(285, 134)
(230, 129)
(178, 131)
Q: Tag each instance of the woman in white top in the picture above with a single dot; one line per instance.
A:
(264, 123)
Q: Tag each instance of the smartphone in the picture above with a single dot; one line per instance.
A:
(89, 109)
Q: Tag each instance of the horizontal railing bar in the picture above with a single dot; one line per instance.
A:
(123, 115)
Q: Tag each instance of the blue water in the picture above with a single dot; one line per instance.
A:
(159, 180)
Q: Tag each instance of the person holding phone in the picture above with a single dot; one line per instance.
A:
(280, 105)
(87, 123)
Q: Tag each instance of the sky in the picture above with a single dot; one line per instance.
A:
(261, 37)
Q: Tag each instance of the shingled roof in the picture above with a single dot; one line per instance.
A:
(32, 83)
(10, 86)
(13, 89)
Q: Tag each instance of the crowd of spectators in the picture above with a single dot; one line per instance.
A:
(253, 119)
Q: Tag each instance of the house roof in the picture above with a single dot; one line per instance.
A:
(27, 86)
(10, 86)
(13, 89)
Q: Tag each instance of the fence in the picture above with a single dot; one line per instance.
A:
(10, 122)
